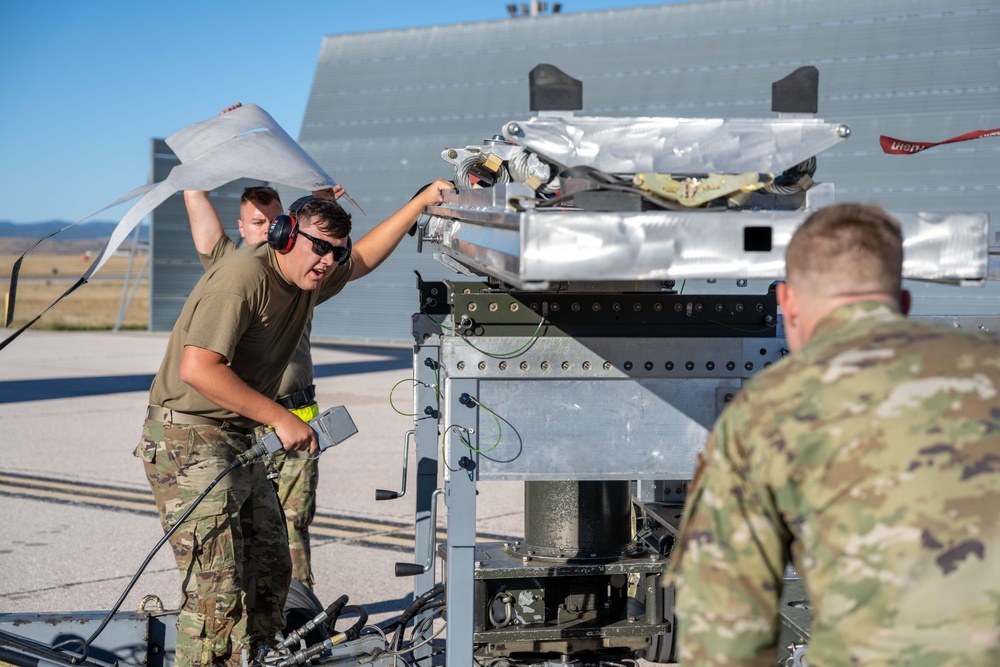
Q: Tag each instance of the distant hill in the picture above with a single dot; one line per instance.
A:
(91, 236)
(92, 229)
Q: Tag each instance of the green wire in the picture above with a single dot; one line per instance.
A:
(391, 405)
(507, 355)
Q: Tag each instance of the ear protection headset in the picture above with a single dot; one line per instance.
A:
(284, 229)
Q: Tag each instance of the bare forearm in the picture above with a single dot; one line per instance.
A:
(208, 374)
(375, 246)
(206, 227)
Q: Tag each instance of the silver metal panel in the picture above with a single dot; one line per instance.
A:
(533, 248)
(561, 358)
(598, 408)
(585, 429)
(677, 145)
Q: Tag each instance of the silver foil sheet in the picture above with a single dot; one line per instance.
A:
(676, 145)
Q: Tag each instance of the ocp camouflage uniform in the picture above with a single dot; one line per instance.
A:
(871, 459)
(244, 310)
(297, 495)
(298, 471)
(231, 547)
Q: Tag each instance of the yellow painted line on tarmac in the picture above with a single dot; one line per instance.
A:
(356, 530)
(146, 506)
(75, 487)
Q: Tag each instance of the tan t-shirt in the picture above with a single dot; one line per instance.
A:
(245, 310)
(299, 372)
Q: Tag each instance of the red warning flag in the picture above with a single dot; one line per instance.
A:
(900, 147)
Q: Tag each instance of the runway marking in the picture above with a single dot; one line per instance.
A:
(326, 527)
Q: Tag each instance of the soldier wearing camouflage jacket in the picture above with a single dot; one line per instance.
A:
(869, 459)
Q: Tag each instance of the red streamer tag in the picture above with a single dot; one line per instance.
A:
(900, 147)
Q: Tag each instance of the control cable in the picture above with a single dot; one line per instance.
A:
(243, 459)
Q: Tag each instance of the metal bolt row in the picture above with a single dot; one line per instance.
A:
(628, 365)
(617, 307)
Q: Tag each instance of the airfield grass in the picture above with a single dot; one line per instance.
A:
(43, 277)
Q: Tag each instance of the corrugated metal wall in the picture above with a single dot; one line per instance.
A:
(175, 267)
(384, 105)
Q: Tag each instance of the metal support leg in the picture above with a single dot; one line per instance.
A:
(460, 495)
(425, 395)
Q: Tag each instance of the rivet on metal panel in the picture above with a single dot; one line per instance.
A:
(678, 307)
(719, 307)
(482, 365)
(513, 307)
(586, 365)
(575, 307)
(461, 365)
(554, 306)
(748, 365)
(596, 307)
(493, 306)
(525, 365)
(739, 308)
(843, 131)
(710, 366)
(607, 365)
(648, 365)
(566, 365)
(545, 365)
(689, 365)
(657, 307)
(669, 365)
(472, 307)
(616, 307)
(730, 365)
(503, 365)
(627, 365)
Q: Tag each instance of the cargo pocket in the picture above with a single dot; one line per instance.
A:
(152, 439)
(193, 646)
(218, 576)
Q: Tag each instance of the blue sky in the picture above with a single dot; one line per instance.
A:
(86, 84)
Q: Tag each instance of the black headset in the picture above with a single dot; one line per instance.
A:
(284, 229)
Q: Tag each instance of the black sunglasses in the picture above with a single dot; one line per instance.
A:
(341, 253)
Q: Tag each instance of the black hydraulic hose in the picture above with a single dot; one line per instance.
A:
(303, 656)
(24, 651)
(354, 631)
(414, 608)
(243, 459)
(327, 616)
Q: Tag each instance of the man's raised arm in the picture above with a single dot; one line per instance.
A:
(206, 227)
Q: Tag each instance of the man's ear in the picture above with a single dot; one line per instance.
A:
(239, 222)
(905, 301)
(784, 297)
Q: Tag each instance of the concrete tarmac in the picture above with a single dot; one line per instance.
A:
(76, 515)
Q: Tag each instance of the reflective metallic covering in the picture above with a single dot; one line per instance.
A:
(676, 145)
(530, 249)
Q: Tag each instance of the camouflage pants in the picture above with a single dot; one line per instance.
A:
(232, 551)
(297, 495)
